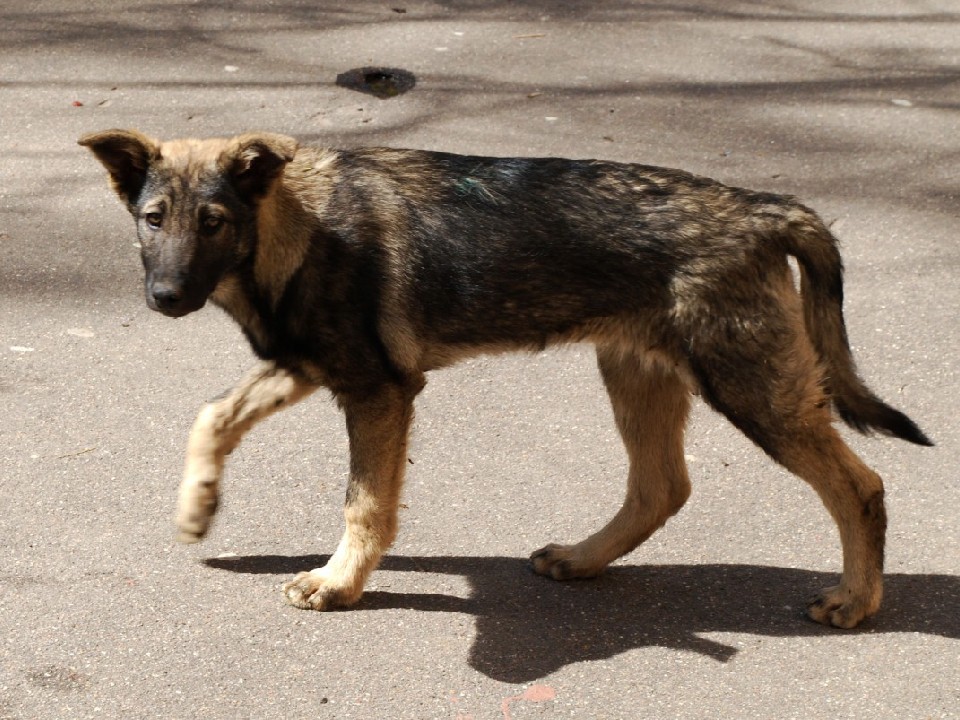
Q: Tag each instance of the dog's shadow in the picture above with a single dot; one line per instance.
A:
(529, 626)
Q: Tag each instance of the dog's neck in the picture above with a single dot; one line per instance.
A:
(283, 238)
(251, 295)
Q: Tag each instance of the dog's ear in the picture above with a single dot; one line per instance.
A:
(126, 154)
(255, 160)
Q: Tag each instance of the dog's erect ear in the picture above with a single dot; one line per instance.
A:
(126, 154)
(255, 160)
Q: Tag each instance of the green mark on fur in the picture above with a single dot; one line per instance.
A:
(467, 186)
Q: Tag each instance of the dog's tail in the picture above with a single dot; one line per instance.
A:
(821, 285)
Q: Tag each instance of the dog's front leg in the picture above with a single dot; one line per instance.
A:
(218, 429)
(378, 428)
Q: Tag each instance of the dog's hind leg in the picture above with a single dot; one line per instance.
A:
(378, 428)
(650, 403)
(218, 429)
(767, 382)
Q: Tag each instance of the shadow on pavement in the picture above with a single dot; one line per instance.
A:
(529, 626)
(171, 24)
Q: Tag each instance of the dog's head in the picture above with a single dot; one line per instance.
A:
(195, 204)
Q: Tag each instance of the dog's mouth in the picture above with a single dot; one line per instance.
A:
(177, 312)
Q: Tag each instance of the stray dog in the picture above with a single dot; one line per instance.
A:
(361, 270)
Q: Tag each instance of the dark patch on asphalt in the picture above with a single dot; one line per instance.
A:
(58, 678)
(380, 82)
(18, 581)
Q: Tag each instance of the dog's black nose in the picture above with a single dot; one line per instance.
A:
(166, 297)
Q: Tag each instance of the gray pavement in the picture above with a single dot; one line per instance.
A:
(853, 106)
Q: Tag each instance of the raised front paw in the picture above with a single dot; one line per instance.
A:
(563, 562)
(319, 590)
(195, 509)
(838, 607)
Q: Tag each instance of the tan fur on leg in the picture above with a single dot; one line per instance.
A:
(650, 404)
(378, 428)
(218, 429)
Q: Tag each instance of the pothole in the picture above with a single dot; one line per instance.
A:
(380, 82)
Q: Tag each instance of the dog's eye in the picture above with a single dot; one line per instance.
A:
(154, 220)
(212, 223)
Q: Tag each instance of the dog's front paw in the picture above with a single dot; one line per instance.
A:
(195, 509)
(316, 590)
(838, 607)
(562, 562)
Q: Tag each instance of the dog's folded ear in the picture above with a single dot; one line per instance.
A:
(126, 154)
(255, 160)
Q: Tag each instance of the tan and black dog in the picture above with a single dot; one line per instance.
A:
(360, 270)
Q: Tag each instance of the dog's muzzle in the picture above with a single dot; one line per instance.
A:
(171, 299)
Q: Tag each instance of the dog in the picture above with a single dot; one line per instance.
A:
(361, 270)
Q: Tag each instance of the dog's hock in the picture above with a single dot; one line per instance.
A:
(126, 154)
(255, 160)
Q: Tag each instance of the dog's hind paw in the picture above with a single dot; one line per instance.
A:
(838, 607)
(313, 590)
(562, 562)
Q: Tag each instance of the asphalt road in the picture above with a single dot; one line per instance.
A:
(855, 109)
